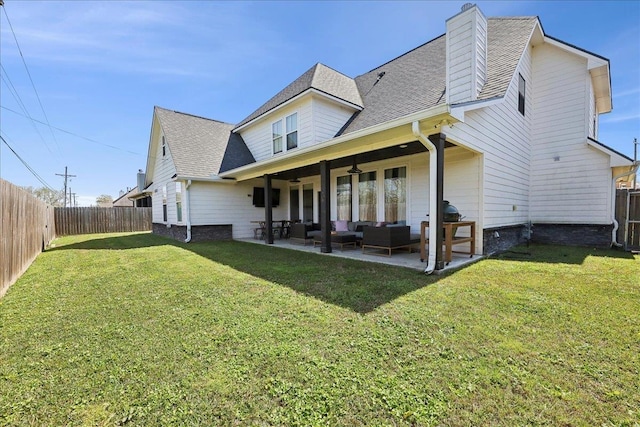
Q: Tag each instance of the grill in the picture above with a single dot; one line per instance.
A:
(450, 212)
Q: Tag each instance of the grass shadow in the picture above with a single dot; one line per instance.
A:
(355, 285)
(115, 242)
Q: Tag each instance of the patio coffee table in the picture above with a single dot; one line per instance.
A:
(341, 240)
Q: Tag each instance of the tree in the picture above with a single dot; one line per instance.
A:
(104, 200)
(53, 197)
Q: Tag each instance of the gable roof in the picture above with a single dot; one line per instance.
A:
(120, 201)
(416, 80)
(319, 77)
(201, 147)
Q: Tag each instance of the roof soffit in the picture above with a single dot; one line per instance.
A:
(153, 148)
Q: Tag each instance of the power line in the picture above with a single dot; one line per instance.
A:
(30, 78)
(12, 89)
(73, 134)
(38, 177)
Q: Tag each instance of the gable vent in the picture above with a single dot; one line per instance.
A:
(466, 6)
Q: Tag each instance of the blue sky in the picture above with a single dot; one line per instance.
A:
(100, 67)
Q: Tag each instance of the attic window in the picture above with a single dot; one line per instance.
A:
(164, 147)
(521, 93)
(292, 131)
(276, 136)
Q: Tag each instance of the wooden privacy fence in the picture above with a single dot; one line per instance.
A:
(628, 217)
(72, 221)
(27, 227)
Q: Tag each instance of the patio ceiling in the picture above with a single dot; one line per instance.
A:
(395, 151)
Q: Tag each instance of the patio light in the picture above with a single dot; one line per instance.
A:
(354, 169)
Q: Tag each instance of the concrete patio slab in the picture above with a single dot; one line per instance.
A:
(400, 258)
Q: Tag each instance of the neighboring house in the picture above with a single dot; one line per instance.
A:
(494, 116)
(124, 199)
(140, 199)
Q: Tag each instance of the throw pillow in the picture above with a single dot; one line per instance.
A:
(342, 226)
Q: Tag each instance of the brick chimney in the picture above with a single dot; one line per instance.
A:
(466, 54)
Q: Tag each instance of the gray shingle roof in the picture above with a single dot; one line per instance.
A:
(506, 41)
(411, 82)
(416, 80)
(319, 77)
(201, 147)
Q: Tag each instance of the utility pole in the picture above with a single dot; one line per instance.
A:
(66, 176)
(75, 198)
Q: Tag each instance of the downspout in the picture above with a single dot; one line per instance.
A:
(188, 200)
(614, 232)
(433, 197)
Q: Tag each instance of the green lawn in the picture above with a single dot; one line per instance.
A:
(138, 330)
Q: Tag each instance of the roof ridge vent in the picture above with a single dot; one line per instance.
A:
(466, 6)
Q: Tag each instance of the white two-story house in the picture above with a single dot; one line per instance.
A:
(494, 116)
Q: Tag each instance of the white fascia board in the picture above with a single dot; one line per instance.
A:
(294, 99)
(420, 115)
(458, 110)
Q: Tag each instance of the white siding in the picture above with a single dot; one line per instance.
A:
(466, 67)
(163, 170)
(481, 53)
(593, 115)
(258, 135)
(318, 120)
(570, 182)
(216, 204)
(258, 139)
(328, 119)
(502, 134)
(459, 69)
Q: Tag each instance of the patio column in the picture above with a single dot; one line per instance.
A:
(325, 206)
(438, 140)
(268, 210)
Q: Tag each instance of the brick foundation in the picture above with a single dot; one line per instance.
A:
(597, 236)
(199, 233)
(505, 238)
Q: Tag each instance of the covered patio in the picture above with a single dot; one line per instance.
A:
(399, 258)
(408, 138)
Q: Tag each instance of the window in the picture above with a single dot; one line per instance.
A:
(276, 136)
(367, 196)
(292, 131)
(521, 94)
(344, 198)
(164, 203)
(164, 147)
(179, 201)
(289, 133)
(395, 194)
